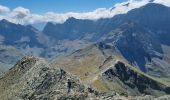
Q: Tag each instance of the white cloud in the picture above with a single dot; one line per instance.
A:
(24, 16)
(4, 9)
(20, 13)
(164, 2)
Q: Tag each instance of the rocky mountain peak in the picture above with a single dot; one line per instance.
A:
(136, 83)
(4, 21)
(42, 81)
(26, 63)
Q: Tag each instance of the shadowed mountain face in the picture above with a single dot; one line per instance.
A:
(16, 41)
(135, 43)
(134, 82)
(154, 17)
(71, 29)
(82, 29)
(14, 34)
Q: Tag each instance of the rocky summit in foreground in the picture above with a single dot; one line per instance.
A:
(33, 78)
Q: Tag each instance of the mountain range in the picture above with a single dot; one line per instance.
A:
(128, 54)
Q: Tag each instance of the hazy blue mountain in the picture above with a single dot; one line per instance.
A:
(71, 29)
(152, 16)
(78, 29)
(17, 41)
(15, 34)
(139, 35)
(135, 43)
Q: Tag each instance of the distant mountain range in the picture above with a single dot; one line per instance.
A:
(138, 42)
(140, 35)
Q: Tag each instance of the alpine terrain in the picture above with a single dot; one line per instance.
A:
(122, 57)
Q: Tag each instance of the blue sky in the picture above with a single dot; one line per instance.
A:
(42, 6)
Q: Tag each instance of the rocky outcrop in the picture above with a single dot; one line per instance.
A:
(134, 82)
(33, 79)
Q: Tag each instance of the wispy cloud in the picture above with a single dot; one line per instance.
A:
(25, 16)
(20, 13)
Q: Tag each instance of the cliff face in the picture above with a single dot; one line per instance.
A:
(134, 82)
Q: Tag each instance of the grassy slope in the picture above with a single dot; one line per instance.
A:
(86, 64)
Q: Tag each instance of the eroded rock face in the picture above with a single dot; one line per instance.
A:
(135, 83)
(26, 63)
(53, 84)
(33, 79)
